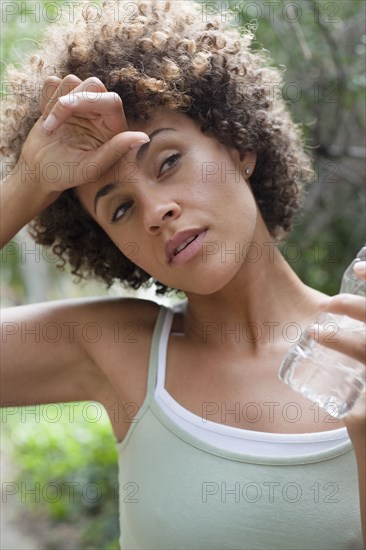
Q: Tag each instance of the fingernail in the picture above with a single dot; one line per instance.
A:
(50, 123)
(139, 142)
(70, 99)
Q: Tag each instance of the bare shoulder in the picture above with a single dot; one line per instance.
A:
(110, 329)
(105, 310)
(85, 320)
(115, 322)
(79, 349)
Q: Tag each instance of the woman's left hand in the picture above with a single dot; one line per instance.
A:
(350, 343)
(354, 345)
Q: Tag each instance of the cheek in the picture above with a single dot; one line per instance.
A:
(131, 250)
(232, 201)
(128, 245)
(217, 180)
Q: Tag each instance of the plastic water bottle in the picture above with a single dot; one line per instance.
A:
(333, 380)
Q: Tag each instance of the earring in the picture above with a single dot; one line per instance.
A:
(247, 171)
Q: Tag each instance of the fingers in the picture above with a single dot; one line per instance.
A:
(85, 98)
(348, 304)
(348, 340)
(351, 340)
(54, 88)
(80, 104)
(65, 86)
(110, 152)
(351, 344)
(49, 87)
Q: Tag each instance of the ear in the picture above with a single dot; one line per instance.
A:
(248, 160)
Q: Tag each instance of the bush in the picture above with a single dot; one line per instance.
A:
(66, 454)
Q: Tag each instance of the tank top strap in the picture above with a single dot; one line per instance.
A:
(158, 349)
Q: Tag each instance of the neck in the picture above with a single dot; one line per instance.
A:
(265, 302)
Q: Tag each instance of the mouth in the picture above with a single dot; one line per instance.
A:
(183, 245)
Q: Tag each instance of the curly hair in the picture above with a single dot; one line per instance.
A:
(163, 54)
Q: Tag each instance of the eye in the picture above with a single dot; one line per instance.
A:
(169, 163)
(120, 211)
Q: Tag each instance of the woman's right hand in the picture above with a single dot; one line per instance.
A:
(82, 132)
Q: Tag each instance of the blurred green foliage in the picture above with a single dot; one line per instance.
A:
(321, 46)
(22, 26)
(66, 454)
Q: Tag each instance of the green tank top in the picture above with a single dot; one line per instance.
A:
(179, 492)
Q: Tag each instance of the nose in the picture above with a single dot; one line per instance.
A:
(158, 211)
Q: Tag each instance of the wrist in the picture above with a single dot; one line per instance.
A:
(22, 199)
(26, 183)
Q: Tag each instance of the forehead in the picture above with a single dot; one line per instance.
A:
(163, 117)
(160, 118)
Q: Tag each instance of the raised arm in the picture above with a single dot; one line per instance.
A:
(74, 350)
(46, 354)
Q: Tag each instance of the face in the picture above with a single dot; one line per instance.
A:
(178, 205)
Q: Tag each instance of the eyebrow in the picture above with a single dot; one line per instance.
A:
(103, 192)
(109, 187)
(144, 148)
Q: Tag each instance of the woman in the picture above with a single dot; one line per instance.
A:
(155, 151)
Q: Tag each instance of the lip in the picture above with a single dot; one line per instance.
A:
(178, 239)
